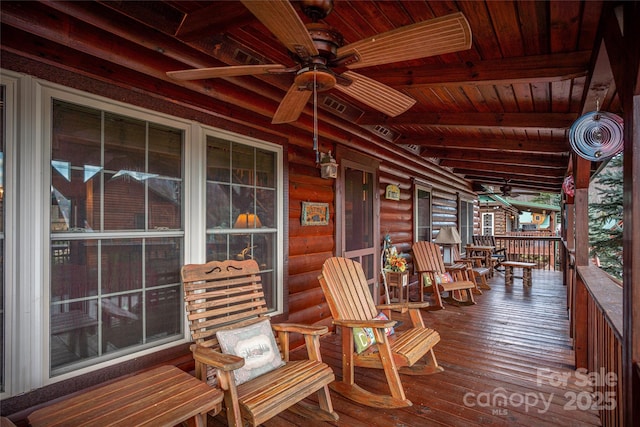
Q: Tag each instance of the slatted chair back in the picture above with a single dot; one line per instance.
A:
(347, 290)
(484, 240)
(222, 295)
(430, 266)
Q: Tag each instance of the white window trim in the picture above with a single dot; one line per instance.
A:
(10, 81)
(27, 266)
(482, 226)
(278, 150)
(428, 189)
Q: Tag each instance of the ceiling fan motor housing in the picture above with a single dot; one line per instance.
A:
(317, 9)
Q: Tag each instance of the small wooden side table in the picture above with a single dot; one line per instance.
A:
(165, 396)
(398, 281)
(526, 271)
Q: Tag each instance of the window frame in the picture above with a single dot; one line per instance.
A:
(45, 94)
(482, 226)
(465, 224)
(11, 375)
(418, 186)
(28, 268)
(278, 230)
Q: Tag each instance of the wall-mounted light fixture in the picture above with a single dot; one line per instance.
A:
(328, 166)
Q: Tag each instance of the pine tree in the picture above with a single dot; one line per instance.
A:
(605, 217)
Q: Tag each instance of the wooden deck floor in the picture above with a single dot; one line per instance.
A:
(513, 342)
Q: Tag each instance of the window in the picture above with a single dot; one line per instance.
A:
(487, 224)
(116, 235)
(117, 207)
(243, 213)
(3, 101)
(423, 229)
(466, 222)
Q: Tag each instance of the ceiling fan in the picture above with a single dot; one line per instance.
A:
(506, 190)
(317, 50)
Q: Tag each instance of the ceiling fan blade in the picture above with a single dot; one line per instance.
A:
(230, 71)
(446, 34)
(376, 95)
(281, 19)
(292, 105)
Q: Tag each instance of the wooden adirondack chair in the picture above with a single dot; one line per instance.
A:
(429, 264)
(498, 255)
(345, 286)
(475, 268)
(225, 296)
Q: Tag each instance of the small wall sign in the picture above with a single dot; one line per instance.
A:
(315, 213)
(393, 192)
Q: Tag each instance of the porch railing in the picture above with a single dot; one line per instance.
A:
(598, 341)
(542, 249)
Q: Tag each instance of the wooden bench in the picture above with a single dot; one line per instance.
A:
(165, 396)
(526, 271)
(224, 296)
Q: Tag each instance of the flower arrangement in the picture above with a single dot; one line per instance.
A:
(395, 262)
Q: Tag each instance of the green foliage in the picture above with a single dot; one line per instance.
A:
(605, 217)
(548, 199)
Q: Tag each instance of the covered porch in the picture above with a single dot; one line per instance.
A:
(508, 360)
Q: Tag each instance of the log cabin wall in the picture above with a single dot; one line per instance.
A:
(306, 248)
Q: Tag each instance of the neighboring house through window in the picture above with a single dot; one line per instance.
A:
(126, 196)
(487, 224)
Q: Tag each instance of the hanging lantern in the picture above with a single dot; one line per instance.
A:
(328, 166)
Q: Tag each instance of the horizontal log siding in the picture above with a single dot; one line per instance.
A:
(309, 246)
(396, 216)
(444, 207)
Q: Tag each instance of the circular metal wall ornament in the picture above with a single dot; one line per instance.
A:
(597, 135)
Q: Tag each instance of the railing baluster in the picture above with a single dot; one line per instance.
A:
(541, 248)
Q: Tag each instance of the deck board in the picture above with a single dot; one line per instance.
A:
(500, 344)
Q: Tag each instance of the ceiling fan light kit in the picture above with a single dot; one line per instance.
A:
(317, 49)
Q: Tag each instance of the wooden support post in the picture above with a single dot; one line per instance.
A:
(582, 173)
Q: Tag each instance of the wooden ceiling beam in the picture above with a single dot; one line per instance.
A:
(549, 146)
(501, 178)
(487, 168)
(546, 121)
(543, 161)
(539, 69)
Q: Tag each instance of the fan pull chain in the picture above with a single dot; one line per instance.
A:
(315, 117)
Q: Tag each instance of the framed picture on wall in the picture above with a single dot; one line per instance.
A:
(315, 213)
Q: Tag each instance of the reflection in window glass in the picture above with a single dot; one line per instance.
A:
(242, 207)
(466, 222)
(423, 215)
(113, 296)
(358, 209)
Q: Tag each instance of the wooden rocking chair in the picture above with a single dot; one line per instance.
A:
(475, 268)
(429, 264)
(225, 296)
(345, 287)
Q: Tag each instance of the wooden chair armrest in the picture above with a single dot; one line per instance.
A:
(374, 323)
(208, 356)
(403, 307)
(300, 328)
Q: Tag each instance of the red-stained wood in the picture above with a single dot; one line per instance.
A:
(515, 341)
(163, 396)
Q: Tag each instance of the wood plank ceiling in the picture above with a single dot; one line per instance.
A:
(498, 112)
